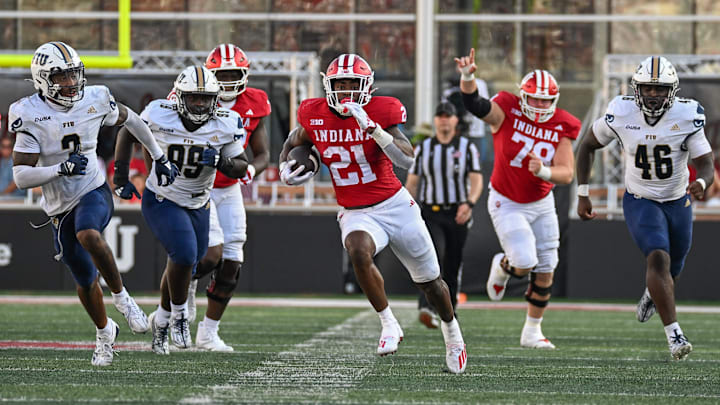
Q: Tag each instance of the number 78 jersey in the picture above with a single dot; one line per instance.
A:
(516, 138)
(656, 156)
(361, 172)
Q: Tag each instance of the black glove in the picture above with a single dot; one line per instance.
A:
(75, 165)
(210, 157)
(167, 169)
(123, 187)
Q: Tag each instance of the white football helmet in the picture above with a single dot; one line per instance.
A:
(56, 69)
(197, 91)
(348, 66)
(655, 71)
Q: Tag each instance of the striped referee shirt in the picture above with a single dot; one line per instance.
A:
(444, 169)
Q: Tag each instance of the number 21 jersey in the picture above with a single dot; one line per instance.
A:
(516, 138)
(361, 172)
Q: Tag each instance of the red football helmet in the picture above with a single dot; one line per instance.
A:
(348, 66)
(539, 84)
(229, 58)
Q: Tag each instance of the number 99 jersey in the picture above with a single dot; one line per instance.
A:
(656, 156)
(361, 172)
(223, 132)
(55, 134)
(516, 138)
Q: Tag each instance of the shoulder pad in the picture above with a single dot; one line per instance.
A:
(620, 106)
(20, 116)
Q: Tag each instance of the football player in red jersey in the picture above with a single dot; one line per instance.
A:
(227, 211)
(358, 138)
(533, 152)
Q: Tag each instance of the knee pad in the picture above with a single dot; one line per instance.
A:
(520, 250)
(223, 284)
(547, 260)
(534, 288)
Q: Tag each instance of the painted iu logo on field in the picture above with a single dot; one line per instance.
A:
(124, 251)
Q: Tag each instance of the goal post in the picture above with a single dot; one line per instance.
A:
(122, 60)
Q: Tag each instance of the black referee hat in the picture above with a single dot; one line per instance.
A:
(445, 108)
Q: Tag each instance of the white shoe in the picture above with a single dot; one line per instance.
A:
(497, 280)
(192, 306)
(456, 357)
(534, 338)
(180, 332)
(390, 337)
(645, 307)
(159, 337)
(429, 318)
(105, 346)
(680, 347)
(136, 318)
(208, 339)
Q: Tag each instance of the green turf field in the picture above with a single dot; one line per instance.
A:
(326, 355)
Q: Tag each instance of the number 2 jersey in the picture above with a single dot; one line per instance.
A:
(656, 156)
(54, 135)
(223, 132)
(361, 172)
(517, 137)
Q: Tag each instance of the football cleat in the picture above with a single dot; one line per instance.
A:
(136, 318)
(105, 345)
(645, 307)
(456, 357)
(192, 306)
(180, 332)
(497, 280)
(390, 337)
(680, 347)
(208, 339)
(159, 336)
(534, 338)
(429, 318)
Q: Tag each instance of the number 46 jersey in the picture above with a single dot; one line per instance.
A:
(361, 172)
(223, 132)
(656, 156)
(55, 134)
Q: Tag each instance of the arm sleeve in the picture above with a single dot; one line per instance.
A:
(603, 133)
(26, 143)
(473, 157)
(28, 177)
(698, 144)
(142, 132)
(476, 105)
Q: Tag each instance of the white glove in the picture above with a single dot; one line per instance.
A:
(293, 177)
(249, 175)
(360, 115)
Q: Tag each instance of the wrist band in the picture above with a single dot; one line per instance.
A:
(583, 190)
(467, 77)
(544, 173)
(702, 182)
(381, 137)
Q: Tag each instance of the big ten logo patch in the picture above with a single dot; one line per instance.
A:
(5, 254)
(121, 239)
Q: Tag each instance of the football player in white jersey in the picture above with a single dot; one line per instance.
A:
(57, 130)
(199, 138)
(658, 133)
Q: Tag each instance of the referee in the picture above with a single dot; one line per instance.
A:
(446, 180)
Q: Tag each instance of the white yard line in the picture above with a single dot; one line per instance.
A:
(322, 368)
(356, 303)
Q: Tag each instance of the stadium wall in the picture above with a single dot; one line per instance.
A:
(301, 253)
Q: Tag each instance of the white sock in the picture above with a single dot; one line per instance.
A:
(179, 310)
(210, 324)
(120, 297)
(386, 317)
(671, 330)
(107, 330)
(531, 322)
(162, 317)
(451, 331)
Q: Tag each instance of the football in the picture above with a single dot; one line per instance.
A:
(304, 155)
